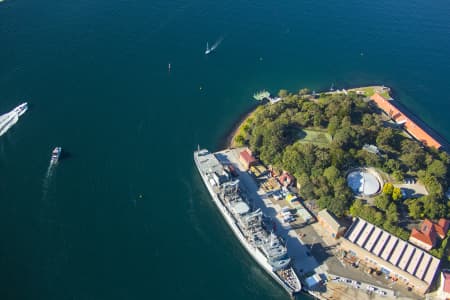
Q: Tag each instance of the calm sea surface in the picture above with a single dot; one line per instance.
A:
(125, 215)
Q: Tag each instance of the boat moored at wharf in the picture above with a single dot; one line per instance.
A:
(251, 227)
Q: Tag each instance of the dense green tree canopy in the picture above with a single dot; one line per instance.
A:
(276, 133)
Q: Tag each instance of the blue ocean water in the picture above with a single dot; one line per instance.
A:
(125, 215)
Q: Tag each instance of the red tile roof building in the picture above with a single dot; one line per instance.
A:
(442, 227)
(428, 234)
(415, 130)
(286, 179)
(444, 289)
(247, 159)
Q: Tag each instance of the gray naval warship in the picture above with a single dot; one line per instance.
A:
(249, 226)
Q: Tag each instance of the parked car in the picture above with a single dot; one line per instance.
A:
(371, 288)
(286, 209)
(409, 181)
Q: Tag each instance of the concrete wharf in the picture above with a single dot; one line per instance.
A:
(311, 249)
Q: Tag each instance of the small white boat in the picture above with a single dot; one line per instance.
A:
(56, 153)
(208, 50)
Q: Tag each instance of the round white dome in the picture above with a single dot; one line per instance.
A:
(362, 182)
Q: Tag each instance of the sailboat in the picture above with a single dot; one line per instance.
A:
(208, 50)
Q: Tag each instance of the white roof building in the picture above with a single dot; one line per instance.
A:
(398, 259)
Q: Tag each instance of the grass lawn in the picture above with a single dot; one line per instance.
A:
(370, 90)
(317, 137)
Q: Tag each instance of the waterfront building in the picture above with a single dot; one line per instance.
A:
(427, 236)
(329, 222)
(400, 118)
(246, 158)
(399, 260)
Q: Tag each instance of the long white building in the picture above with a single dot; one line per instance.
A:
(398, 259)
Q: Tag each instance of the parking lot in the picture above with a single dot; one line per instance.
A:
(368, 288)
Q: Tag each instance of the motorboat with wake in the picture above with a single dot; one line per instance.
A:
(56, 153)
(213, 47)
(9, 119)
(208, 50)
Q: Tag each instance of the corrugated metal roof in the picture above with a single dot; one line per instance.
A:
(393, 240)
(373, 239)
(395, 252)
(406, 257)
(433, 266)
(381, 243)
(415, 261)
(420, 273)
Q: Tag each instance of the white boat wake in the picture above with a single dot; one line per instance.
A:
(214, 46)
(50, 170)
(8, 120)
(47, 181)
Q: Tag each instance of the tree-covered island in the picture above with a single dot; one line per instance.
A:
(319, 138)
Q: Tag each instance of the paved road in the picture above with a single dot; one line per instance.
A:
(413, 190)
(298, 252)
(369, 288)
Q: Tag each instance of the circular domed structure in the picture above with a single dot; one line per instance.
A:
(363, 182)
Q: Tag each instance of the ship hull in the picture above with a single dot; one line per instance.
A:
(254, 252)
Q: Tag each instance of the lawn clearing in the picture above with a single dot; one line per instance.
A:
(317, 137)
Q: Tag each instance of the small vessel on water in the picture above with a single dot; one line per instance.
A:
(247, 223)
(213, 47)
(208, 50)
(56, 153)
(9, 119)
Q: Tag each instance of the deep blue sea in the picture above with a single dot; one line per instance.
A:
(125, 215)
